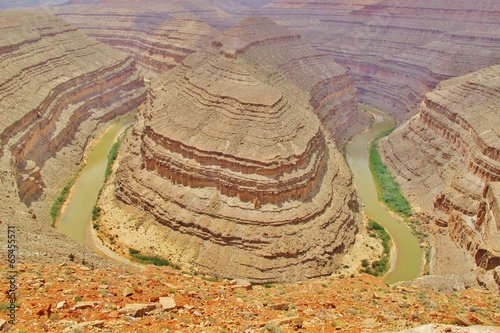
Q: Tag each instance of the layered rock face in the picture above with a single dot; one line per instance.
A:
(233, 164)
(448, 159)
(157, 41)
(397, 50)
(56, 86)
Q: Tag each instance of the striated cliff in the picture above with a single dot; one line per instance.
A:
(157, 41)
(448, 159)
(396, 50)
(229, 159)
(57, 86)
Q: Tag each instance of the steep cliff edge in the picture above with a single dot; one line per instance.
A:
(228, 157)
(57, 86)
(448, 160)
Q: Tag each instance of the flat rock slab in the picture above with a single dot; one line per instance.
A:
(81, 326)
(84, 305)
(167, 303)
(137, 310)
(239, 283)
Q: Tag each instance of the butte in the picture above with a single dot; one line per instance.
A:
(229, 171)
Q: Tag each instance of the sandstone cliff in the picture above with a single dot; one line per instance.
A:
(160, 35)
(57, 86)
(157, 41)
(397, 50)
(237, 171)
(448, 160)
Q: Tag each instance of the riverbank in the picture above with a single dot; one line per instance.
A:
(406, 255)
(77, 208)
(119, 234)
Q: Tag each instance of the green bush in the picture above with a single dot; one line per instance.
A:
(112, 155)
(388, 189)
(150, 260)
(96, 212)
(379, 267)
(55, 210)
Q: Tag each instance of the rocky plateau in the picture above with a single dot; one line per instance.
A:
(232, 169)
(73, 298)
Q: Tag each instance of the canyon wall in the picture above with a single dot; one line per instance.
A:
(447, 159)
(234, 167)
(57, 87)
(396, 50)
(157, 41)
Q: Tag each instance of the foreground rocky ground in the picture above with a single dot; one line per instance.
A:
(75, 298)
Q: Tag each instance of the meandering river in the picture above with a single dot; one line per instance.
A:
(406, 264)
(78, 210)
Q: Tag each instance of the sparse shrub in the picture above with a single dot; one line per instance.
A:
(55, 210)
(272, 328)
(150, 260)
(96, 212)
(378, 267)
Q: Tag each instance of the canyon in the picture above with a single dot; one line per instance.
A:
(447, 160)
(58, 87)
(156, 40)
(231, 160)
(233, 169)
(396, 50)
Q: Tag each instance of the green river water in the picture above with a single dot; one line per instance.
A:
(78, 211)
(409, 254)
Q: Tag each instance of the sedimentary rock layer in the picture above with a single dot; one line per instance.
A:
(56, 86)
(230, 158)
(397, 50)
(157, 41)
(448, 159)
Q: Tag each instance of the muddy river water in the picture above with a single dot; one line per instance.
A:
(78, 211)
(406, 264)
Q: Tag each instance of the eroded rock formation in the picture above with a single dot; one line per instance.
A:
(157, 41)
(234, 166)
(56, 87)
(397, 50)
(448, 160)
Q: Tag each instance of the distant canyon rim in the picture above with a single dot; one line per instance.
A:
(234, 159)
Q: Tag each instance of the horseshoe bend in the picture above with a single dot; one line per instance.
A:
(232, 174)
(240, 177)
